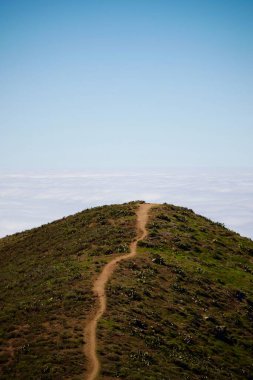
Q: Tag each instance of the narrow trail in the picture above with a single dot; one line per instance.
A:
(99, 291)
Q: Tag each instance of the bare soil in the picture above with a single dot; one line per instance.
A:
(100, 292)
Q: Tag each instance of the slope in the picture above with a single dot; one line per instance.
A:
(46, 290)
(99, 288)
(183, 308)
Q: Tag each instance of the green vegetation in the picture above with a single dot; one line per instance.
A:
(183, 308)
(46, 290)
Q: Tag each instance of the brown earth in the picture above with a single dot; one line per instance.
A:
(100, 292)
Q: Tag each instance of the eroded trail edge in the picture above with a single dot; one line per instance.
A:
(99, 291)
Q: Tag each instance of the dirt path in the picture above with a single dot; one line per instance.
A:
(99, 291)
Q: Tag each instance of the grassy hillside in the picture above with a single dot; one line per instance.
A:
(46, 290)
(183, 309)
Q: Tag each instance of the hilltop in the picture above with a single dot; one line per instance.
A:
(181, 308)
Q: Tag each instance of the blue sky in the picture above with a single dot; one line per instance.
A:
(125, 84)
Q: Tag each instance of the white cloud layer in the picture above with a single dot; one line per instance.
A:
(29, 200)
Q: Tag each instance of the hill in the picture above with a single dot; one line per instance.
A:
(181, 308)
(46, 290)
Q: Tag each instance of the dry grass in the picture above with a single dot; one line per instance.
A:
(46, 290)
(183, 309)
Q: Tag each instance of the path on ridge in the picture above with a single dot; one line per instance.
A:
(99, 290)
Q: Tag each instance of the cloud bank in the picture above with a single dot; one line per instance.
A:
(29, 200)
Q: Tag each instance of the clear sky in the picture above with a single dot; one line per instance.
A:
(125, 84)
